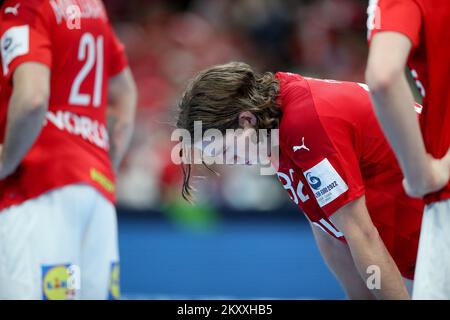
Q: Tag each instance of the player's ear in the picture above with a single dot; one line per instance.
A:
(247, 119)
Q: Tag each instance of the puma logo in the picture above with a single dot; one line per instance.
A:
(302, 146)
(13, 10)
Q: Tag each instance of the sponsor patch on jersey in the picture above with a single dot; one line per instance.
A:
(114, 282)
(15, 42)
(60, 282)
(325, 182)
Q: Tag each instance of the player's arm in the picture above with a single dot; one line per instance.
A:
(122, 101)
(392, 99)
(367, 249)
(339, 260)
(26, 114)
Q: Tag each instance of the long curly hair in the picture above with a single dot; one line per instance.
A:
(218, 95)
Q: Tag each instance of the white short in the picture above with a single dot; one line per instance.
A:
(432, 276)
(60, 245)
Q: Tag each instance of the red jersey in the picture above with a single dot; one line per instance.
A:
(333, 151)
(76, 41)
(426, 24)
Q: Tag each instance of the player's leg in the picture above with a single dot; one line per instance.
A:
(39, 240)
(432, 277)
(100, 253)
(338, 257)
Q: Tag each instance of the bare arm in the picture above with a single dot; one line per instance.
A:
(368, 249)
(122, 100)
(339, 260)
(26, 113)
(393, 99)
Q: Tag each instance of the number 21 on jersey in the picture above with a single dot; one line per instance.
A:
(90, 52)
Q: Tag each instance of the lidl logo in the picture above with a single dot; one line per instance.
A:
(114, 283)
(60, 282)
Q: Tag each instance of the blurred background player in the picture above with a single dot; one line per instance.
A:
(417, 33)
(67, 106)
(334, 163)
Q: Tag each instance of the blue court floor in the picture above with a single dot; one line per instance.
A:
(246, 259)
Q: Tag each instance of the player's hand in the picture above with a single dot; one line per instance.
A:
(437, 178)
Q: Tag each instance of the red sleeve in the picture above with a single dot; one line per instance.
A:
(330, 163)
(118, 58)
(24, 35)
(403, 16)
(334, 179)
(338, 169)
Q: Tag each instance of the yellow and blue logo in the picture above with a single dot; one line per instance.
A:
(57, 282)
(114, 283)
